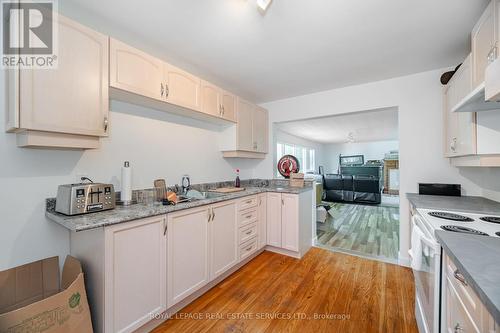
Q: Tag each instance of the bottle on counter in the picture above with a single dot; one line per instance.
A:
(237, 183)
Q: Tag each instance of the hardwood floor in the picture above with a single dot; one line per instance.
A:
(361, 229)
(358, 295)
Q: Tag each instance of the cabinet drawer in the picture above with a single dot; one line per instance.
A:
(248, 248)
(464, 291)
(457, 317)
(247, 217)
(247, 232)
(246, 203)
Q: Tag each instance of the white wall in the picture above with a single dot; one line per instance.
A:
(283, 137)
(374, 150)
(419, 101)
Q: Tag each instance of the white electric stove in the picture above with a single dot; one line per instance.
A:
(425, 256)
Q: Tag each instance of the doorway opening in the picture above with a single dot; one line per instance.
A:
(354, 159)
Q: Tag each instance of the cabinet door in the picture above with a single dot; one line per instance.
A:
(245, 126)
(260, 130)
(187, 251)
(183, 88)
(74, 97)
(466, 138)
(457, 318)
(290, 222)
(224, 238)
(483, 41)
(135, 273)
(135, 71)
(228, 101)
(274, 219)
(210, 99)
(262, 220)
(450, 122)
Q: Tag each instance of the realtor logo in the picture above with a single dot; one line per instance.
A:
(29, 34)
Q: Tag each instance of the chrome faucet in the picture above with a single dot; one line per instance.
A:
(186, 184)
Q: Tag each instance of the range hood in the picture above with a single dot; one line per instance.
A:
(476, 101)
(486, 96)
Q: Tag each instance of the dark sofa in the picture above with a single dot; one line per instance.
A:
(352, 188)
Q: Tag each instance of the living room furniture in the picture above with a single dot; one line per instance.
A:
(352, 188)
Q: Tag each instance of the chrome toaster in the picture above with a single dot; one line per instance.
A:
(74, 199)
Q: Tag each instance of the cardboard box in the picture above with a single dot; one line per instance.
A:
(33, 300)
(297, 179)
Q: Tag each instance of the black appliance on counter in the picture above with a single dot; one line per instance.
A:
(449, 190)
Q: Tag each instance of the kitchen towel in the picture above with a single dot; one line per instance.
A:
(416, 248)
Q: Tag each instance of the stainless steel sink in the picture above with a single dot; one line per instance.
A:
(195, 195)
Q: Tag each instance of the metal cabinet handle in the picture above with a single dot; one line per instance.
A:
(249, 232)
(162, 90)
(492, 55)
(458, 328)
(209, 215)
(223, 110)
(213, 214)
(106, 123)
(248, 248)
(282, 202)
(167, 90)
(248, 216)
(453, 145)
(460, 277)
(165, 229)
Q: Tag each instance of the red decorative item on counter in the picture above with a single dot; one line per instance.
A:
(288, 164)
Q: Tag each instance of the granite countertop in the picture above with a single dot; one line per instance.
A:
(477, 258)
(476, 205)
(123, 214)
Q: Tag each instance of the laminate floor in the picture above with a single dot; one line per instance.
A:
(371, 231)
(322, 292)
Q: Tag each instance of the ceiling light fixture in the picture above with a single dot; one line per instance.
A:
(263, 4)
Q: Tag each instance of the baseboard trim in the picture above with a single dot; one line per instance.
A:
(403, 261)
(283, 251)
(160, 319)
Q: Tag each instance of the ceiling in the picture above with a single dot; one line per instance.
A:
(298, 46)
(378, 125)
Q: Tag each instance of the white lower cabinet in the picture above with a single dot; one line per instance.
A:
(274, 219)
(461, 308)
(262, 198)
(224, 238)
(202, 245)
(135, 279)
(290, 222)
(283, 221)
(187, 252)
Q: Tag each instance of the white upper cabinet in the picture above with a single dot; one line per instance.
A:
(229, 106)
(260, 130)
(483, 43)
(251, 132)
(245, 126)
(492, 74)
(217, 102)
(210, 99)
(182, 88)
(71, 99)
(135, 71)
